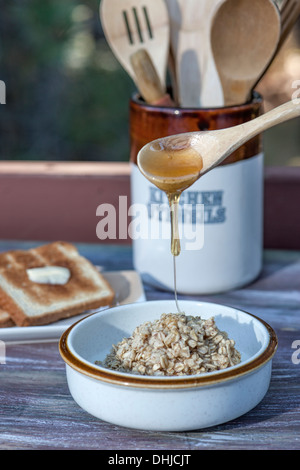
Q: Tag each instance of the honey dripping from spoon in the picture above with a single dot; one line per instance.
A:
(171, 168)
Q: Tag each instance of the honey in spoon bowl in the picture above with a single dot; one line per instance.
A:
(170, 164)
(172, 167)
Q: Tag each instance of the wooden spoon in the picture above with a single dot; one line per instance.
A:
(197, 78)
(212, 146)
(244, 37)
(130, 25)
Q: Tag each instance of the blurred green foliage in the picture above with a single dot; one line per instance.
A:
(67, 96)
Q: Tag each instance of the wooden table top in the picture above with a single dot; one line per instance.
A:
(38, 412)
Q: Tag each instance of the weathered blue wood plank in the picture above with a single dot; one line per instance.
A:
(37, 411)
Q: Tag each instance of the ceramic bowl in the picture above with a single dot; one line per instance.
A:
(166, 403)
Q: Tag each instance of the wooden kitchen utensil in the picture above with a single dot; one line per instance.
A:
(197, 78)
(212, 147)
(244, 38)
(289, 14)
(130, 25)
(147, 80)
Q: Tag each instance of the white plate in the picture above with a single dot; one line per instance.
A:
(127, 286)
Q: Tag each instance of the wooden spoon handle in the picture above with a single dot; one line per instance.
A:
(234, 137)
(280, 114)
(147, 79)
(230, 139)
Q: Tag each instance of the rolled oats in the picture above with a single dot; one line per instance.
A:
(175, 344)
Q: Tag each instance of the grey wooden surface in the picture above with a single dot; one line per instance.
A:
(37, 411)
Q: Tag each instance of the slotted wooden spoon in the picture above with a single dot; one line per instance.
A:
(214, 146)
(130, 25)
(244, 38)
(198, 83)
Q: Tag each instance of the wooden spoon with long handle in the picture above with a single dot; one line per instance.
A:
(244, 38)
(214, 146)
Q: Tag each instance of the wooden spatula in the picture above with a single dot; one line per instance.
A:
(130, 25)
(197, 78)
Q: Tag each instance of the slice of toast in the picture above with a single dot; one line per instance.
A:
(5, 319)
(32, 303)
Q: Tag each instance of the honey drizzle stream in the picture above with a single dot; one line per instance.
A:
(175, 239)
(175, 287)
(172, 166)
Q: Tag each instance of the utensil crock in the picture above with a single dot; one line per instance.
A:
(222, 213)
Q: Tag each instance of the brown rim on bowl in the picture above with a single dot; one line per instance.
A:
(178, 382)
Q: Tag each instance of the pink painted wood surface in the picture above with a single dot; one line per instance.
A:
(51, 201)
(58, 200)
(281, 208)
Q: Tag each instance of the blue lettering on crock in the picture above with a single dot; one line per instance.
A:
(214, 211)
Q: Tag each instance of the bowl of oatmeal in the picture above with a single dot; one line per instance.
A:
(147, 367)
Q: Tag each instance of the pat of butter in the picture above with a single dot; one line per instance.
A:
(49, 275)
